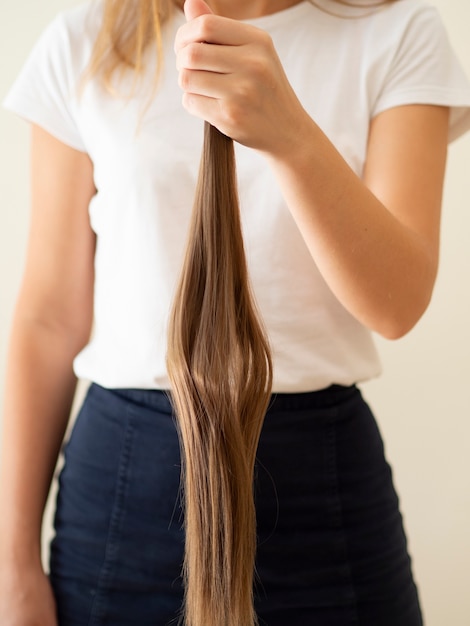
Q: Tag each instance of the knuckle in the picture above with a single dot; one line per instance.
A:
(243, 94)
(187, 101)
(184, 79)
(258, 68)
(205, 27)
(193, 54)
(266, 40)
(233, 115)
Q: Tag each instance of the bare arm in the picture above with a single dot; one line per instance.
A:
(51, 323)
(375, 241)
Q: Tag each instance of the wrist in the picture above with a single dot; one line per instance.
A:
(19, 551)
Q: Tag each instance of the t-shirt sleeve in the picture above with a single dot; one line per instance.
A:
(46, 90)
(425, 70)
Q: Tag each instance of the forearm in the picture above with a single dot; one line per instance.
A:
(380, 269)
(377, 251)
(39, 392)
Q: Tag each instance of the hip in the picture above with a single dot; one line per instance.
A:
(330, 534)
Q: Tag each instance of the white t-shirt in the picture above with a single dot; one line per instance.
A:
(345, 71)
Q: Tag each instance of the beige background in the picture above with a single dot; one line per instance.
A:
(421, 401)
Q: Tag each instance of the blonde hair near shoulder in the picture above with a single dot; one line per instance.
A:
(127, 30)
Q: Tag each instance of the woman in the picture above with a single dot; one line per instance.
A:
(341, 123)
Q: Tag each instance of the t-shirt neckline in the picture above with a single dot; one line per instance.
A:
(280, 17)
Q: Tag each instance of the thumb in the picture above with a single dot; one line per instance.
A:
(195, 8)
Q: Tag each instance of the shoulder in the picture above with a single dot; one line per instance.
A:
(409, 7)
(363, 24)
(64, 49)
(81, 19)
(73, 32)
(45, 91)
(404, 32)
(396, 18)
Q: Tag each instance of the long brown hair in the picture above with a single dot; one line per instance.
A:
(220, 367)
(218, 356)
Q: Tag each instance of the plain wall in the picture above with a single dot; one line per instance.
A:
(422, 399)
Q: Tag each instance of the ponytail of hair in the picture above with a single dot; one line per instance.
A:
(220, 367)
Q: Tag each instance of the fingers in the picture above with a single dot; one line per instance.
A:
(209, 28)
(215, 111)
(202, 83)
(207, 57)
(234, 75)
(204, 107)
(231, 76)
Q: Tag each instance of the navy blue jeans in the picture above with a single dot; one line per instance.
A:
(331, 545)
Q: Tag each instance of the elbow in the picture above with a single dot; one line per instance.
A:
(397, 322)
(405, 305)
(395, 331)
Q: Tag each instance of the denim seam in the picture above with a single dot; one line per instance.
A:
(110, 560)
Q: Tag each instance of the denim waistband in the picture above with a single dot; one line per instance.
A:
(321, 399)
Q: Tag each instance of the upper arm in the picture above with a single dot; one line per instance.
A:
(57, 286)
(405, 167)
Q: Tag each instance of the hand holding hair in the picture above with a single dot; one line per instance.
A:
(385, 280)
(238, 83)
